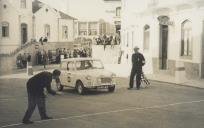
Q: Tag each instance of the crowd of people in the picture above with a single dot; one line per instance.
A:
(22, 59)
(43, 57)
(54, 56)
(108, 40)
(74, 53)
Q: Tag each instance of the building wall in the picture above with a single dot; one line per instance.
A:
(70, 25)
(95, 11)
(51, 18)
(101, 28)
(14, 15)
(134, 20)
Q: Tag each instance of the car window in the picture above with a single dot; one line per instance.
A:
(63, 65)
(82, 65)
(97, 64)
(88, 64)
(67, 65)
(70, 66)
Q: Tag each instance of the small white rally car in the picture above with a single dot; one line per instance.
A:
(85, 73)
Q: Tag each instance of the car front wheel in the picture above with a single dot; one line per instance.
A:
(80, 88)
(111, 88)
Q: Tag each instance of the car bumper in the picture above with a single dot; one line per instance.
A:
(101, 86)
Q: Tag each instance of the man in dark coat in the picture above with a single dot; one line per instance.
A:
(41, 40)
(138, 61)
(36, 96)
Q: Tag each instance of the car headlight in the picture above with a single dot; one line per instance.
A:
(88, 77)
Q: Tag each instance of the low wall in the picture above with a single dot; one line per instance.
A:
(8, 63)
(191, 69)
(109, 55)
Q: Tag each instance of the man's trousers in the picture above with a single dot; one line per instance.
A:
(137, 72)
(32, 102)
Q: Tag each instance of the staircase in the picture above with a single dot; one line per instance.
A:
(8, 61)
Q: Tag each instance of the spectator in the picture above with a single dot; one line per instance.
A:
(19, 61)
(41, 40)
(29, 57)
(44, 59)
(45, 40)
(24, 60)
(112, 42)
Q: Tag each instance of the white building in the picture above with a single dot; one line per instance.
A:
(23, 20)
(96, 17)
(170, 34)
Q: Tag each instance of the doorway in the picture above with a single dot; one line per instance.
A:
(202, 54)
(163, 51)
(24, 33)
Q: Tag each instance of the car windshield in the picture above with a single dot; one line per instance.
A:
(89, 64)
(67, 65)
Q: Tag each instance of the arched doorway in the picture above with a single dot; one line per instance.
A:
(24, 33)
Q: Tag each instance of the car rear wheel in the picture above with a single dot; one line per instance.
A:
(80, 88)
(111, 88)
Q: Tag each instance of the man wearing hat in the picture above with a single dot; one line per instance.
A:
(138, 61)
(36, 96)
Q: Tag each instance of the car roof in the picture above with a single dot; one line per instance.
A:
(77, 59)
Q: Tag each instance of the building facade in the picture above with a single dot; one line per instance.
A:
(169, 34)
(98, 17)
(24, 20)
(91, 29)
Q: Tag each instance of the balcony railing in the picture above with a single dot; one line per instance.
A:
(164, 3)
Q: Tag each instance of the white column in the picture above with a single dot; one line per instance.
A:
(19, 24)
(87, 28)
(77, 29)
(98, 28)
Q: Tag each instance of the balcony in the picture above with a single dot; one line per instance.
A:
(174, 3)
(165, 7)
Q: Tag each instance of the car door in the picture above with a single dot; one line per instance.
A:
(69, 76)
(66, 71)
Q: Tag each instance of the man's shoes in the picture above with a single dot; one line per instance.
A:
(46, 118)
(27, 122)
(129, 88)
(138, 88)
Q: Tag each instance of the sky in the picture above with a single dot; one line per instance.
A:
(61, 5)
(83, 9)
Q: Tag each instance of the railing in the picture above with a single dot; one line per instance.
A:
(155, 3)
(19, 49)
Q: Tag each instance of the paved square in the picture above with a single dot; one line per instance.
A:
(161, 105)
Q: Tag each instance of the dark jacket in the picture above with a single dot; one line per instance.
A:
(138, 60)
(36, 84)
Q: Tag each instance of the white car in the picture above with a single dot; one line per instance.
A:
(85, 73)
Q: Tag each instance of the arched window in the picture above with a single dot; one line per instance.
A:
(146, 37)
(118, 11)
(127, 39)
(23, 3)
(64, 32)
(5, 29)
(186, 38)
(47, 30)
